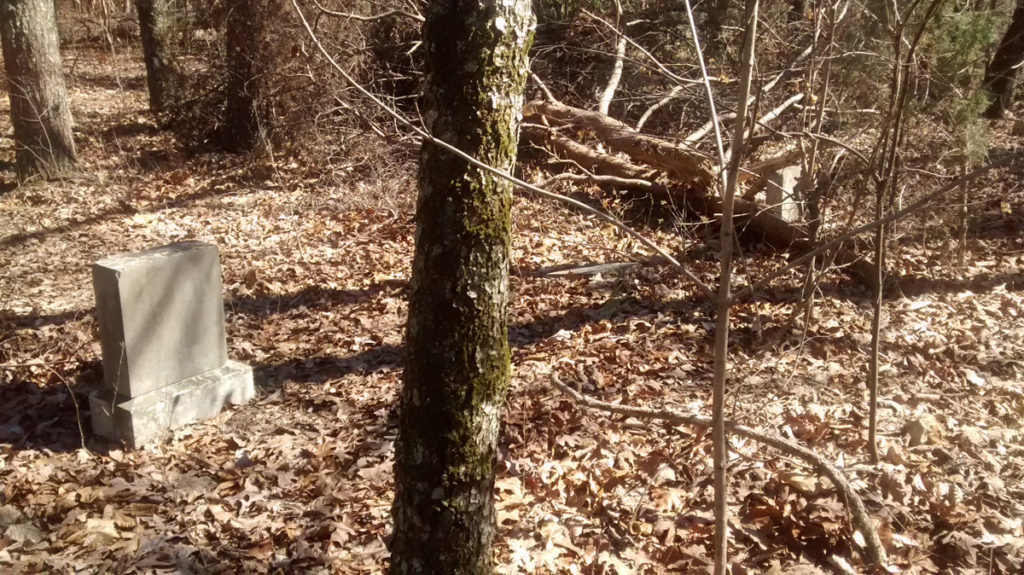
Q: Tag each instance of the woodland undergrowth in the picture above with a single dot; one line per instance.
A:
(315, 260)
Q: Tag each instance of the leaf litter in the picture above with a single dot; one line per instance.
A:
(315, 270)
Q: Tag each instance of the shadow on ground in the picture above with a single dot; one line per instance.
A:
(45, 417)
(310, 297)
(53, 417)
(106, 82)
(17, 239)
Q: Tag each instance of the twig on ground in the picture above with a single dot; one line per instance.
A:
(873, 550)
(78, 413)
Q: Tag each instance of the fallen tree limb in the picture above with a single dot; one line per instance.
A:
(874, 552)
(753, 221)
(682, 163)
(673, 93)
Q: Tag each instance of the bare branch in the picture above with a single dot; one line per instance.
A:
(778, 110)
(657, 63)
(360, 18)
(620, 54)
(727, 233)
(892, 217)
(489, 168)
(676, 90)
(707, 86)
(543, 87)
(859, 516)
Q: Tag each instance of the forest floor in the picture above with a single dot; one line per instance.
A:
(315, 266)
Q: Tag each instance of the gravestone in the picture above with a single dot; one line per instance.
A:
(781, 193)
(165, 362)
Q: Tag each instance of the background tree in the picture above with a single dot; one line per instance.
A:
(716, 14)
(457, 368)
(35, 83)
(1002, 71)
(246, 64)
(156, 32)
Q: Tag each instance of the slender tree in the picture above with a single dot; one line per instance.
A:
(1002, 71)
(246, 64)
(457, 367)
(162, 74)
(35, 84)
(723, 305)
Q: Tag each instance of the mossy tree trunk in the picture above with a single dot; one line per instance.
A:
(246, 64)
(35, 82)
(1002, 71)
(162, 74)
(457, 367)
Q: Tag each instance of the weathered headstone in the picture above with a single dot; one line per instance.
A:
(782, 195)
(165, 359)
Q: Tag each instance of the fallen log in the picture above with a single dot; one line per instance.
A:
(753, 221)
(684, 164)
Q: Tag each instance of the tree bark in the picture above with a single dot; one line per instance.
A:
(457, 368)
(723, 305)
(243, 115)
(1002, 71)
(35, 82)
(162, 74)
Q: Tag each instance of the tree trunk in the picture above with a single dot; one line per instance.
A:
(162, 75)
(715, 12)
(1002, 71)
(243, 115)
(39, 101)
(720, 441)
(457, 368)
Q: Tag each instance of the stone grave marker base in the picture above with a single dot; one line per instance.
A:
(144, 417)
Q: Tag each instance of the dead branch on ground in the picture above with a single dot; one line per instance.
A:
(873, 550)
(753, 221)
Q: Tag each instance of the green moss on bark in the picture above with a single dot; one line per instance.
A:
(457, 369)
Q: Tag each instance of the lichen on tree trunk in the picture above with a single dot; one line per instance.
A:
(457, 367)
(35, 81)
